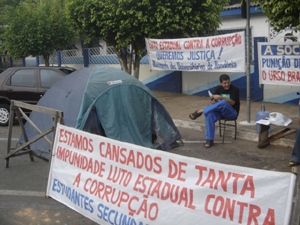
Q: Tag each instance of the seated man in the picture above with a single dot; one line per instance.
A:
(225, 105)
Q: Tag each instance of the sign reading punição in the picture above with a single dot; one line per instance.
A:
(113, 182)
(279, 63)
(222, 53)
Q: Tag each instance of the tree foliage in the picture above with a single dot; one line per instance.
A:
(282, 14)
(36, 27)
(7, 3)
(4, 3)
(3, 6)
(126, 23)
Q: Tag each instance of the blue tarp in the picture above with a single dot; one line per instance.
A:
(109, 102)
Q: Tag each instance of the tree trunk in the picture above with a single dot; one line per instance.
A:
(46, 59)
(129, 62)
(136, 67)
(123, 61)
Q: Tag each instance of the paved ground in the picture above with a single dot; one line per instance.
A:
(23, 184)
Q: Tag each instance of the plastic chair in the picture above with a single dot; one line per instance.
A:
(223, 123)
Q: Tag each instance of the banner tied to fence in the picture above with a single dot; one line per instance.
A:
(222, 53)
(279, 63)
(114, 182)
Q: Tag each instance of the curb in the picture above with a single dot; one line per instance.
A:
(242, 133)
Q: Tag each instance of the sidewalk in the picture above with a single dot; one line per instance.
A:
(180, 106)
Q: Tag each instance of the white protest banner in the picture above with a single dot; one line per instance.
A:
(287, 34)
(279, 63)
(113, 182)
(222, 53)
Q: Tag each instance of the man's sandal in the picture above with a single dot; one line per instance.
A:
(292, 163)
(195, 115)
(208, 143)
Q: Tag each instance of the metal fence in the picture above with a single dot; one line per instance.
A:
(84, 57)
(7, 62)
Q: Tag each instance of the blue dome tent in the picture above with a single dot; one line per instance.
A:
(108, 102)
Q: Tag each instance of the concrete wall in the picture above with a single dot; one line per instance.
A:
(197, 83)
(260, 28)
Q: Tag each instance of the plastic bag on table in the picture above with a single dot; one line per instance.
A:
(279, 119)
